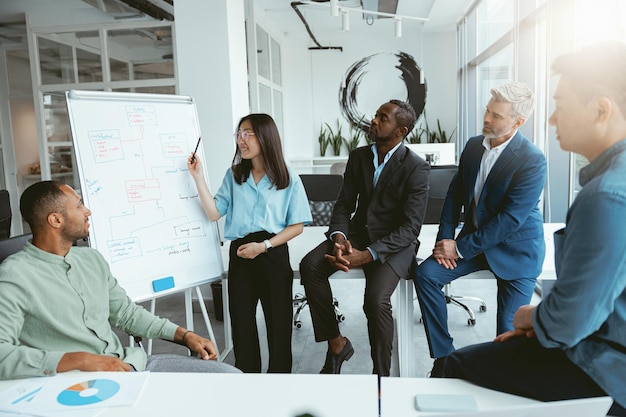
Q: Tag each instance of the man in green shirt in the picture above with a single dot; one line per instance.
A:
(58, 302)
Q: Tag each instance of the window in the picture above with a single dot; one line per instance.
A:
(494, 19)
(276, 67)
(596, 22)
(56, 62)
(267, 97)
(496, 70)
(141, 53)
(263, 53)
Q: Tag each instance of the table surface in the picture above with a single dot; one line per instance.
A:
(398, 394)
(398, 400)
(275, 395)
(283, 395)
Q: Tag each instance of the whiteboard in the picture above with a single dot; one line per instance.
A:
(147, 220)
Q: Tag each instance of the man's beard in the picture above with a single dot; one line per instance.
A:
(495, 134)
(372, 138)
(73, 236)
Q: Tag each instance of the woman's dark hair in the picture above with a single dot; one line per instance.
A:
(266, 132)
(39, 200)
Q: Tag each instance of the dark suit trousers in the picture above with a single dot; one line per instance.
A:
(523, 367)
(268, 278)
(380, 283)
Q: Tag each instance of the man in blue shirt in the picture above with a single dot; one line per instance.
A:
(573, 343)
(385, 185)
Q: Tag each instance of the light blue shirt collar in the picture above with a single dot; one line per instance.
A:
(379, 168)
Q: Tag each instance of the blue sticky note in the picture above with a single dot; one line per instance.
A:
(163, 284)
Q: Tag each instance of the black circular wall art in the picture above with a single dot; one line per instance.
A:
(376, 79)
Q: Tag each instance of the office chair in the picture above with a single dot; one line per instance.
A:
(12, 245)
(322, 191)
(338, 168)
(5, 214)
(439, 181)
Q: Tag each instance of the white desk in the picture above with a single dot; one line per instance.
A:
(275, 395)
(398, 394)
(398, 400)
(312, 236)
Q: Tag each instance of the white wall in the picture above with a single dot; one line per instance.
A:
(440, 69)
(211, 67)
(312, 80)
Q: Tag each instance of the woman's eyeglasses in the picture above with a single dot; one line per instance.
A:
(243, 134)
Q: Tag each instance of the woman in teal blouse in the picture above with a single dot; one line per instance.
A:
(265, 205)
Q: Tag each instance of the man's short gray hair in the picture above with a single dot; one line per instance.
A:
(519, 95)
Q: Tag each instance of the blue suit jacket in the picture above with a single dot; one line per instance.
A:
(510, 225)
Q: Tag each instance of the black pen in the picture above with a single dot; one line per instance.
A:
(193, 156)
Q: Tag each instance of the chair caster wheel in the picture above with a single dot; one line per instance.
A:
(482, 308)
(298, 324)
(471, 322)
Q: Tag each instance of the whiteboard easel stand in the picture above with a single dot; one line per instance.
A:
(228, 330)
(228, 340)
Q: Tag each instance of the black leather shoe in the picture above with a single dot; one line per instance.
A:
(333, 362)
(437, 371)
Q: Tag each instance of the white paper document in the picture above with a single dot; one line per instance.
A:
(74, 394)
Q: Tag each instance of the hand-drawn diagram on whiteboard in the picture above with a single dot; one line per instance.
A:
(147, 220)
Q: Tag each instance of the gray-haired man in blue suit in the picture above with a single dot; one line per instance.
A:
(499, 182)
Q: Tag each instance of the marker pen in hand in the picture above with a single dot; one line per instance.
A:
(193, 156)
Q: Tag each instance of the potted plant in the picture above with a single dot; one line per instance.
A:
(440, 135)
(416, 135)
(323, 140)
(335, 138)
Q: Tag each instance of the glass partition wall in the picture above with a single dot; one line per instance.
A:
(131, 57)
(506, 40)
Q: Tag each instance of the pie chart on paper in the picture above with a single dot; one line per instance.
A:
(88, 392)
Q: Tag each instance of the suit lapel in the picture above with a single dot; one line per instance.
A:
(472, 167)
(367, 168)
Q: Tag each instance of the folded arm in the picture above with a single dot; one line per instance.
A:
(253, 249)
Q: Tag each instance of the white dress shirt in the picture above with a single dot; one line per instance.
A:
(490, 157)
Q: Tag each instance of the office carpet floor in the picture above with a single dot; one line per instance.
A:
(308, 356)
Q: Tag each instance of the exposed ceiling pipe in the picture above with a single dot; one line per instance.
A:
(294, 5)
(151, 9)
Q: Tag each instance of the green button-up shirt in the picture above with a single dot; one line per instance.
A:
(51, 305)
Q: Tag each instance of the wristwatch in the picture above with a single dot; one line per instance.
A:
(268, 245)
